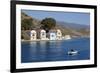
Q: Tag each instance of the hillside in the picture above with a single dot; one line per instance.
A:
(74, 29)
(66, 28)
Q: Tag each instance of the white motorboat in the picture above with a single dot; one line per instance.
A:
(72, 52)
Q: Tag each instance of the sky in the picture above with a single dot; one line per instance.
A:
(70, 17)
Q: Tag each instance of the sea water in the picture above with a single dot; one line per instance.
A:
(46, 51)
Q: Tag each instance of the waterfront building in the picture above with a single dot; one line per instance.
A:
(33, 35)
(52, 34)
(59, 34)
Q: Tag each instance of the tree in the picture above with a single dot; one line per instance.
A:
(48, 23)
(26, 24)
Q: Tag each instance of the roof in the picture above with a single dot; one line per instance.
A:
(52, 31)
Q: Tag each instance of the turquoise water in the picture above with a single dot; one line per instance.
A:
(43, 51)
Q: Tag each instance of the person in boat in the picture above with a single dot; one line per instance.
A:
(72, 52)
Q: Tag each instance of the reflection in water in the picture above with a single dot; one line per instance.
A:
(40, 51)
(33, 52)
(33, 45)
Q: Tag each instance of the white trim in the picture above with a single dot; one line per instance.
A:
(51, 64)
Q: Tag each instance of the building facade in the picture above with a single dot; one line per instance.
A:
(52, 35)
(33, 35)
(59, 34)
(42, 34)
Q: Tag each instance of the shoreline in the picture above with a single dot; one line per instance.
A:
(49, 40)
(39, 40)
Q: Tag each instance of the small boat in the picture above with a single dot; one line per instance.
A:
(72, 52)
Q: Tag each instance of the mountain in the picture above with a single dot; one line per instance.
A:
(73, 25)
(72, 29)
